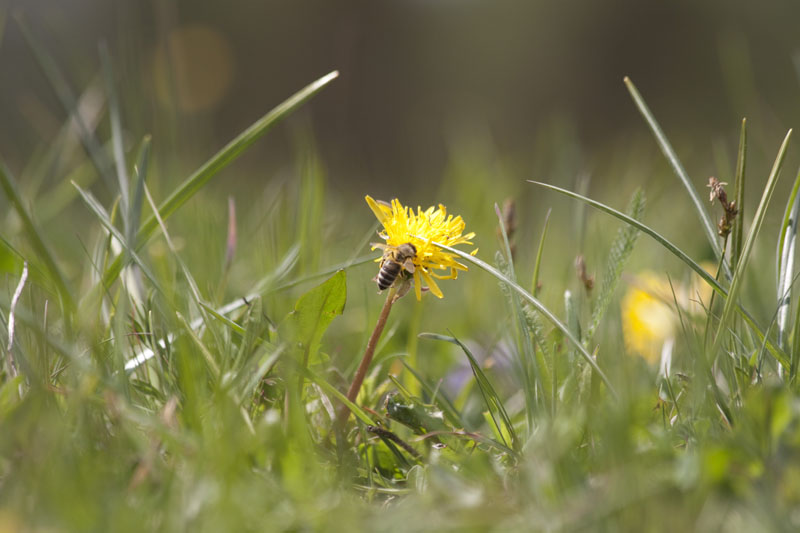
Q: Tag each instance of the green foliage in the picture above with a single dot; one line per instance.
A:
(313, 313)
(495, 410)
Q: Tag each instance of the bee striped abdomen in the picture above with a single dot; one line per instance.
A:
(388, 274)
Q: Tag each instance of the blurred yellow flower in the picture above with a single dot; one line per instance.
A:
(648, 320)
(402, 225)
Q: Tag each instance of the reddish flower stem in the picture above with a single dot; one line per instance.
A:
(366, 360)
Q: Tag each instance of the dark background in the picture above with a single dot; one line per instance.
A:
(419, 80)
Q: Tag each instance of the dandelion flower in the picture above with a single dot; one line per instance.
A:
(402, 225)
(648, 321)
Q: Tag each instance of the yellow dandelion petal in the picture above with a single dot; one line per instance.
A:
(382, 212)
(421, 228)
(431, 283)
(452, 275)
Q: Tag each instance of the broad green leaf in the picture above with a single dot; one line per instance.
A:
(314, 312)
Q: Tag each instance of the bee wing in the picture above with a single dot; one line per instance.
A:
(408, 264)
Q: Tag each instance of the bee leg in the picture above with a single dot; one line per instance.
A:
(403, 288)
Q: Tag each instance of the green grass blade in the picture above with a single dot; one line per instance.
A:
(490, 397)
(194, 290)
(219, 161)
(738, 223)
(209, 358)
(571, 311)
(677, 167)
(551, 317)
(140, 177)
(55, 199)
(116, 136)
(232, 325)
(69, 103)
(333, 391)
(449, 410)
(795, 347)
(41, 247)
(786, 252)
(621, 249)
(758, 221)
(263, 362)
(540, 254)
(101, 214)
(787, 221)
(776, 352)
(526, 353)
(56, 343)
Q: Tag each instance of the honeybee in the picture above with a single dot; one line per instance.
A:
(395, 260)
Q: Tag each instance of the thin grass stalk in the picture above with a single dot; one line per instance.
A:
(785, 255)
(12, 365)
(539, 255)
(677, 167)
(737, 233)
(785, 222)
(795, 348)
(116, 136)
(785, 274)
(527, 360)
(738, 276)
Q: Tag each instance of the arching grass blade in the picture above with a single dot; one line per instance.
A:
(677, 167)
